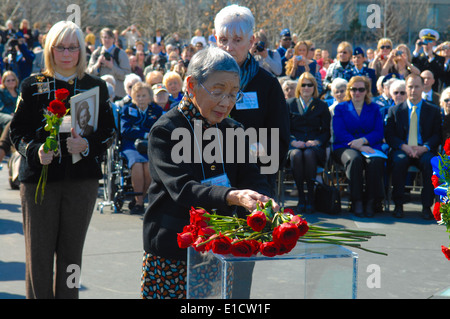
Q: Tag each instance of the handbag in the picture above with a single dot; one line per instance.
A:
(327, 198)
(141, 146)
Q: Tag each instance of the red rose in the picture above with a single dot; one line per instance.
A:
(58, 108)
(436, 211)
(435, 181)
(446, 252)
(206, 231)
(289, 211)
(242, 248)
(257, 221)
(447, 146)
(269, 249)
(61, 94)
(198, 247)
(185, 239)
(284, 249)
(198, 217)
(301, 224)
(221, 245)
(191, 229)
(286, 234)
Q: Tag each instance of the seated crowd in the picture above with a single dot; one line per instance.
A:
(375, 113)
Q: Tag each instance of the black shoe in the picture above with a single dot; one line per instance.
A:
(427, 214)
(137, 210)
(398, 211)
(370, 208)
(358, 208)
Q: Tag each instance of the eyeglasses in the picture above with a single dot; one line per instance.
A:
(357, 89)
(310, 85)
(447, 100)
(219, 96)
(385, 47)
(342, 52)
(286, 39)
(71, 49)
(401, 93)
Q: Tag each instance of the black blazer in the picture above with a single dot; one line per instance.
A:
(28, 133)
(397, 126)
(314, 124)
(271, 113)
(176, 187)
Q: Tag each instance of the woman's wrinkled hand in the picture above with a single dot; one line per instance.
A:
(248, 199)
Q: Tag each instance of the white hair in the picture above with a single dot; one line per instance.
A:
(130, 78)
(338, 83)
(234, 20)
(396, 84)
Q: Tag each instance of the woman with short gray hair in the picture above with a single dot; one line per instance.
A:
(265, 106)
(180, 182)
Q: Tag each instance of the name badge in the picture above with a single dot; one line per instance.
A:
(66, 124)
(248, 102)
(221, 180)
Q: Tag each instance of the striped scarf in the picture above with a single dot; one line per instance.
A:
(191, 112)
(248, 71)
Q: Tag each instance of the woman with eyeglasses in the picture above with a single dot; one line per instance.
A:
(397, 90)
(384, 48)
(9, 91)
(310, 133)
(180, 181)
(55, 228)
(358, 134)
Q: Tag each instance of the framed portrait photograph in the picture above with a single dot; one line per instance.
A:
(84, 112)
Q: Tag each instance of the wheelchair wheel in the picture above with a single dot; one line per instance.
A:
(110, 178)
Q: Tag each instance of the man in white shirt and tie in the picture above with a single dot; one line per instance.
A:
(428, 94)
(413, 131)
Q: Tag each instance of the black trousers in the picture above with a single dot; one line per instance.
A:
(399, 164)
(359, 169)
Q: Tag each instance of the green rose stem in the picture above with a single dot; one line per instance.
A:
(51, 144)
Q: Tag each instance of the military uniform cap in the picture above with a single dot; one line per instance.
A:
(429, 34)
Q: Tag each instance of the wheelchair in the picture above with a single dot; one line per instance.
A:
(117, 186)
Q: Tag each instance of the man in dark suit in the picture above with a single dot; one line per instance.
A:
(428, 60)
(413, 131)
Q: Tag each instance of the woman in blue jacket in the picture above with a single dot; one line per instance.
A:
(137, 119)
(358, 137)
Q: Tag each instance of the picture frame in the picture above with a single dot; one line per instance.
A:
(84, 109)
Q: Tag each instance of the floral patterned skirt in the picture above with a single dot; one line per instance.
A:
(163, 278)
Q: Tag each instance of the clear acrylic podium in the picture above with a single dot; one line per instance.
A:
(309, 271)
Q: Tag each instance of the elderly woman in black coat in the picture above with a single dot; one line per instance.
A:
(180, 182)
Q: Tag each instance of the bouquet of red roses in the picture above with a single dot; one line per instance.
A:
(264, 231)
(441, 181)
(54, 116)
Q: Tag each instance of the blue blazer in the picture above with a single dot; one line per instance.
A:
(347, 125)
(135, 124)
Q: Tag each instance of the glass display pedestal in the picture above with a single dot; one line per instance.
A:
(309, 271)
